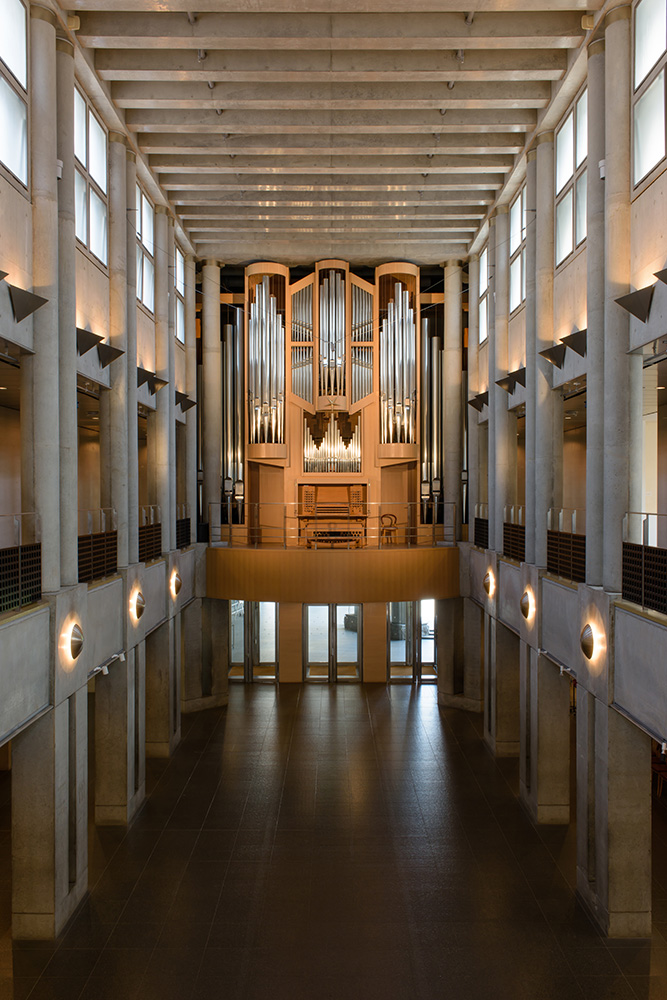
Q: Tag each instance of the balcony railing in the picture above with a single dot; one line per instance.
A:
(566, 543)
(98, 543)
(481, 526)
(514, 532)
(183, 525)
(150, 532)
(369, 525)
(645, 561)
(20, 560)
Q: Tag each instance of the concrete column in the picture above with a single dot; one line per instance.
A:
(120, 785)
(119, 369)
(491, 355)
(290, 643)
(50, 820)
(545, 738)
(212, 387)
(613, 819)
(453, 389)
(595, 285)
(374, 642)
(67, 354)
(42, 368)
(544, 402)
(131, 319)
(473, 656)
(205, 654)
(531, 354)
(163, 711)
(473, 389)
(191, 457)
(499, 451)
(171, 398)
(162, 424)
(501, 723)
(449, 650)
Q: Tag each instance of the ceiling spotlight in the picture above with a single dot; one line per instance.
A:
(460, 56)
(443, 111)
(470, 17)
(191, 16)
(219, 111)
(210, 85)
(201, 55)
(429, 156)
(450, 85)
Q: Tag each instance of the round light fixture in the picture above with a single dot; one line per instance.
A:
(587, 641)
(527, 605)
(489, 583)
(137, 605)
(75, 640)
(175, 584)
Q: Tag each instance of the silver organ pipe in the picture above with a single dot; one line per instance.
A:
(266, 368)
(302, 334)
(425, 401)
(332, 334)
(398, 383)
(436, 408)
(232, 375)
(362, 333)
(333, 455)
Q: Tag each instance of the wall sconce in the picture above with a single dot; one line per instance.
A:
(71, 640)
(587, 641)
(175, 584)
(490, 583)
(527, 605)
(137, 605)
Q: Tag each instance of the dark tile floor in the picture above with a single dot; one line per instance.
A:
(349, 842)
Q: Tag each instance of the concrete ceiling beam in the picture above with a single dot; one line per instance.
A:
(307, 146)
(356, 165)
(342, 6)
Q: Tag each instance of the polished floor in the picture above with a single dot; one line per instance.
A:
(333, 842)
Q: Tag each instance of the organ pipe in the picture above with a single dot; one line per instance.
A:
(398, 383)
(232, 376)
(266, 368)
(302, 337)
(332, 455)
(332, 334)
(362, 333)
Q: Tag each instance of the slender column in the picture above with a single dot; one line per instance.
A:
(544, 278)
(616, 367)
(453, 382)
(163, 709)
(498, 396)
(162, 410)
(493, 388)
(212, 388)
(191, 463)
(69, 570)
(171, 249)
(118, 306)
(545, 738)
(531, 372)
(119, 784)
(131, 317)
(43, 367)
(473, 388)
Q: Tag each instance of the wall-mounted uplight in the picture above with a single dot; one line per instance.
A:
(587, 641)
(527, 605)
(490, 583)
(137, 605)
(175, 584)
(71, 641)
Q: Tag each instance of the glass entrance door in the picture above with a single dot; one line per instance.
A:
(411, 645)
(332, 642)
(253, 641)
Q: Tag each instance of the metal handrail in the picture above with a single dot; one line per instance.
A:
(482, 510)
(182, 511)
(22, 528)
(569, 520)
(96, 521)
(149, 513)
(645, 528)
(514, 514)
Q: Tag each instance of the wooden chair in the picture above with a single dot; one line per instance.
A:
(388, 529)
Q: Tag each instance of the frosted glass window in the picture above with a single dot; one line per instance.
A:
(13, 40)
(180, 272)
(650, 128)
(98, 227)
(180, 320)
(147, 223)
(564, 234)
(580, 201)
(523, 275)
(483, 271)
(483, 323)
(582, 128)
(148, 286)
(97, 153)
(138, 211)
(81, 207)
(515, 225)
(565, 153)
(80, 115)
(515, 283)
(140, 273)
(650, 36)
(13, 132)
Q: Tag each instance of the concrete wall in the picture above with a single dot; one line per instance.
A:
(10, 465)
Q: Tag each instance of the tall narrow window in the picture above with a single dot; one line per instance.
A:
(650, 49)
(571, 184)
(483, 295)
(91, 179)
(179, 287)
(14, 89)
(145, 251)
(518, 250)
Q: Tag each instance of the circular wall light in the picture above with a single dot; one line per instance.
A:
(489, 583)
(75, 640)
(137, 605)
(587, 641)
(527, 605)
(175, 584)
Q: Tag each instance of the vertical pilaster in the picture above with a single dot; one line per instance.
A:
(191, 458)
(498, 367)
(543, 399)
(545, 738)
(171, 398)
(119, 369)
(531, 354)
(212, 388)
(67, 356)
(119, 775)
(453, 391)
(473, 388)
(493, 388)
(163, 709)
(502, 680)
(131, 340)
(163, 409)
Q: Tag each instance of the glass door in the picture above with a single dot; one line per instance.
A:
(332, 642)
(411, 644)
(427, 640)
(253, 641)
(347, 639)
(237, 640)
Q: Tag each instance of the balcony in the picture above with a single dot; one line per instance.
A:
(20, 561)
(481, 526)
(98, 544)
(645, 561)
(514, 532)
(150, 532)
(566, 543)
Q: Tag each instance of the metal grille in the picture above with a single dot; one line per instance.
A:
(482, 532)
(20, 576)
(150, 541)
(182, 532)
(98, 555)
(645, 576)
(514, 541)
(566, 555)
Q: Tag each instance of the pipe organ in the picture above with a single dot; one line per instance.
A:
(342, 382)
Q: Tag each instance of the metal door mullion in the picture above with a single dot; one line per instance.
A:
(333, 645)
(416, 624)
